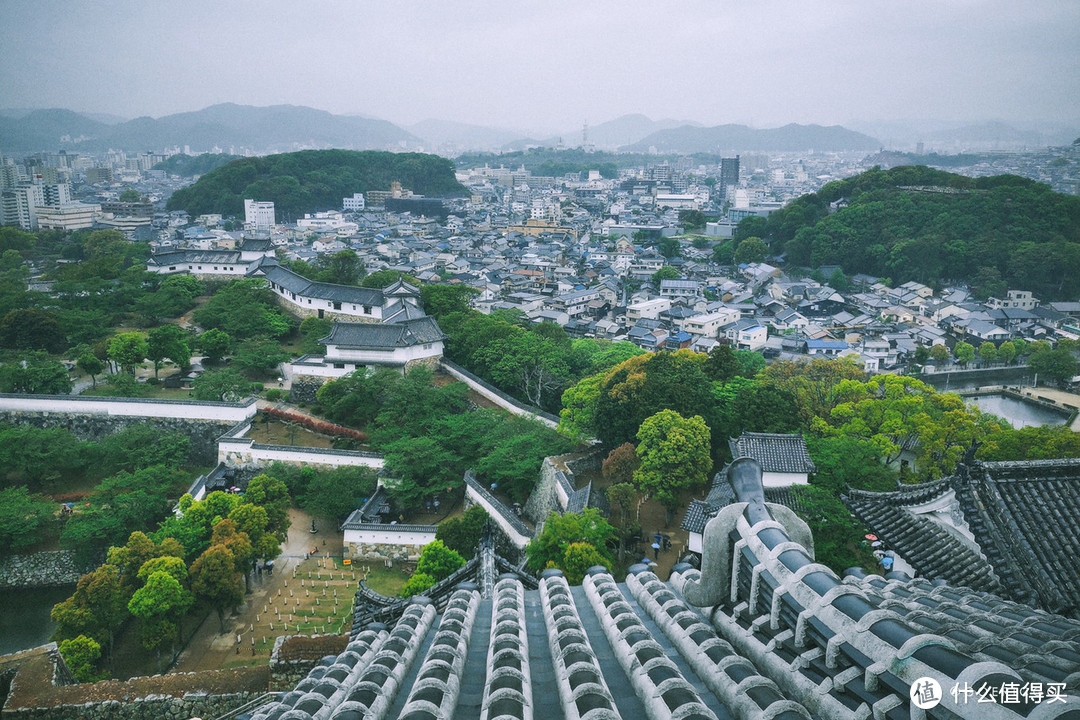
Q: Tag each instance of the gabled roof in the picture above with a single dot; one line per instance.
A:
(777, 452)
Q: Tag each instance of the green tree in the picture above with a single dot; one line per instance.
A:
(168, 341)
(421, 469)
(128, 350)
(667, 272)
(562, 531)
(214, 344)
(312, 330)
(334, 494)
(748, 227)
(692, 219)
(837, 535)
(724, 253)
(259, 357)
(221, 386)
(722, 364)
(81, 655)
(751, 250)
(668, 247)
(215, 580)
(1007, 352)
(846, 462)
(130, 195)
(463, 534)
(385, 278)
(577, 560)
(766, 408)
(438, 561)
(416, 584)
(939, 354)
(442, 300)
(23, 516)
(1058, 365)
(271, 494)
(32, 329)
(97, 608)
(342, 268)
(35, 374)
(838, 280)
(244, 309)
(988, 352)
(674, 454)
(91, 365)
(160, 605)
(964, 352)
(1021, 346)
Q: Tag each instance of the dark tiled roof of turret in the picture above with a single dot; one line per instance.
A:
(932, 549)
(1026, 518)
(777, 452)
(384, 335)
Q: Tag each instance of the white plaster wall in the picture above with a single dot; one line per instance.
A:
(519, 540)
(233, 412)
(388, 535)
(775, 479)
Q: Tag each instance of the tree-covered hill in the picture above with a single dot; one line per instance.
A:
(915, 223)
(313, 180)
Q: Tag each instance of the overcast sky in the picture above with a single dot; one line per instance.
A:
(552, 64)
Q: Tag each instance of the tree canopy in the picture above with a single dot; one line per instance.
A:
(312, 180)
(915, 223)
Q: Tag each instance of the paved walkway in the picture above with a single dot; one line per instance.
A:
(209, 649)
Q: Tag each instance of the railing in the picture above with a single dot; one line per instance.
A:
(251, 705)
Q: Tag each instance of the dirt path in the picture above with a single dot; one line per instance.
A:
(211, 650)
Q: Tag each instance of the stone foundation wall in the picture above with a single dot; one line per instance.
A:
(294, 656)
(202, 433)
(544, 499)
(304, 388)
(44, 569)
(195, 705)
(381, 552)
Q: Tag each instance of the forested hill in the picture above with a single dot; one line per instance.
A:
(312, 180)
(915, 223)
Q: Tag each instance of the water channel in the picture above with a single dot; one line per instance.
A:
(25, 621)
(1018, 413)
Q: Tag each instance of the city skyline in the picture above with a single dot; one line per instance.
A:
(552, 67)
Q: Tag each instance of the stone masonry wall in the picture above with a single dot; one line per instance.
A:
(55, 568)
(203, 433)
(381, 552)
(543, 500)
(304, 388)
(152, 707)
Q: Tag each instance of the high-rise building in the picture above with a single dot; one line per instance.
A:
(258, 215)
(729, 172)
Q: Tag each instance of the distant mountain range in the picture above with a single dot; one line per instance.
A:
(285, 128)
(740, 138)
(226, 126)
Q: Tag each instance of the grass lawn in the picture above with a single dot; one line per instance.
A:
(386, 581)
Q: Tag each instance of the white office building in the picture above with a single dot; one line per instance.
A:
(258, 215)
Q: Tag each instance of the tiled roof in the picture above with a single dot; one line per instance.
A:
(777, 452)
(384, 335)
(776, 639)
(1026, 518)
(932, 549)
